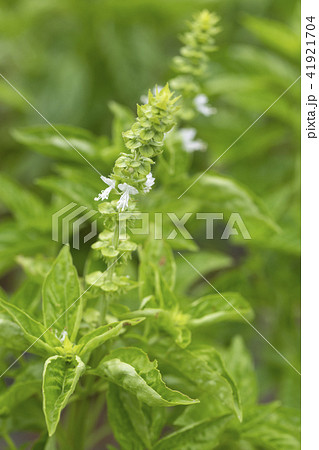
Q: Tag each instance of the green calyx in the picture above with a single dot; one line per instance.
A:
(198, 42)
(145, 138)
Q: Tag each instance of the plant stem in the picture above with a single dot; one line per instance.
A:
(9, 441)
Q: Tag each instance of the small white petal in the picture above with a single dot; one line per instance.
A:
(187, 134)
(150, 181)
(108, 181)
(159, 88)
(127, 190)
(122, 204)
(144, 99)
(189, 144)
(124, 187)
(104, 195)
(202, 105)
(62, 336)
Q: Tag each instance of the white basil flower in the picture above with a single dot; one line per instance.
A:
(144, 97)
(150, 180)
(189, 144)
(104, 195)
(202, 106)
(127, 190)
(62, 336)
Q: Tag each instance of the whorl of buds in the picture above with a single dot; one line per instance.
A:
(198, 42)
(192, 63)
(144, 141)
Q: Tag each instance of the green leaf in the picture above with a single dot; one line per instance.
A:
(75, 191)
(240, 365)
(45, 443)
(33, 330)
(205, 262)
(275, 34)
(27, 415)
(45, 140)
(216, 363)
(26, 384)
(62, 306)
(15, 240)
(203, 435)
(228, 196)
(36, 267)
(161, 256)
(164, 293)
(97, 337)
(131, 369)
(173, 322)
(214, 308)
(26, 207)
(60, 378)
(204, 369)
(11, 335)
(27, 296)
(272, 427)
(129, 427)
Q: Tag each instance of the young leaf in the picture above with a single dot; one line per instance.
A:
(131, 369)
(33, 331)
(203, 435)
(62, 307)
(172, 322)
(60, 378)
(97, 337)
(214, 308)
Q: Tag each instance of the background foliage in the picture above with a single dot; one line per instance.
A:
(76, 62)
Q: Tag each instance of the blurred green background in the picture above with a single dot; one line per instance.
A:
(71, 58)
